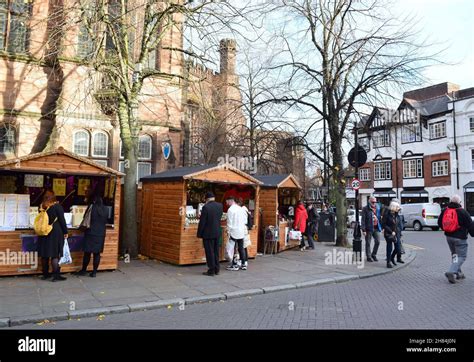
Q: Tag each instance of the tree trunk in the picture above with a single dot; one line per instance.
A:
(130, 148)
(340, 194)
(129, 220)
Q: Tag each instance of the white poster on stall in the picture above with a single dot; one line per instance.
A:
(34, 180)
(10, 210)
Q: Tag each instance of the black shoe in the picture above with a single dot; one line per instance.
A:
(389, 265)
(393, 261)
(46, 276)
(450, 277)
(369, 260)
(400, 261)
(216, 272)
(81, 272)
(93, 274)
(58, 278)
(375, 258)
(209, 274)
(460, 275)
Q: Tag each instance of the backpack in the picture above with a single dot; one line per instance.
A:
(450, 221)
(250, 221)
(41, 224)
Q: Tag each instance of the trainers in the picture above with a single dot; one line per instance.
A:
(303, 248)
(450, 277)
(233, 267)
(244, 266)
(460, 276)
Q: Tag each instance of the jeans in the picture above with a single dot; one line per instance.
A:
(242, 251)
(310, 241)
(368, 237)
(458, 248)
(391, 247)
(398, 248)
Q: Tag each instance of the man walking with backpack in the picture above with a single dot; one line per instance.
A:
(456, 222)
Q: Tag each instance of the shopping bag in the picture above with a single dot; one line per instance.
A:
(229, 249)
(247, 241)
(66, 258)
(295, 234)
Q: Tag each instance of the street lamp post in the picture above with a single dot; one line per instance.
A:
(357, 240)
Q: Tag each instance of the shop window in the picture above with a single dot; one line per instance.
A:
(470, 203)
(81, 140)
(382, 171)
(443, 201)
(438, 130)
(100, 144)
(364, 174)
(7, 140)
(411, 133)
(413, 168)
(144, 148)
(440, 168)
(14, 16)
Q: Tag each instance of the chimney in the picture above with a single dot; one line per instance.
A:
(228, 50)
(433, 91)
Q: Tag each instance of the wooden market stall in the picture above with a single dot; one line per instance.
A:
(279, 196)
(172, 201)
(22, 184)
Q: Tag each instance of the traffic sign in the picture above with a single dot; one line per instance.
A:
(361, 156)
(355, 184)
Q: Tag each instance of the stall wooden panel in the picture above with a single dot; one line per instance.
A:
(223, 176)
(162, 220)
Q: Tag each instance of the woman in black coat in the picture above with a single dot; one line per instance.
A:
(391, 228)
(94, 233)
(51, 245)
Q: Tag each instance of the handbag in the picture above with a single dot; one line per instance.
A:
(86, 222)
(295, 234)
(66, 258)
(229, 249)
(247, 241)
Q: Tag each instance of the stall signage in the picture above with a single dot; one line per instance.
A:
(355, 184)
(166, 147)
(34, 180)
(59, 186)
(83, 185)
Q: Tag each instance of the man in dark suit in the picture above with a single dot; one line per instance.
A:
(209, 230)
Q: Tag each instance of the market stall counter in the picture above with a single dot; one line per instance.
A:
(171, 205)
(279, 196)
(23, 182)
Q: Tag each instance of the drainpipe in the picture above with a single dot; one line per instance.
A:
(455, 141)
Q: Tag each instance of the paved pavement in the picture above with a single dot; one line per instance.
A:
(149, 284)
(415, 297)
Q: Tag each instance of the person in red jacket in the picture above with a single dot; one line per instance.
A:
(301, 217)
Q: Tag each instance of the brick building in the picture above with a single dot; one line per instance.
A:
(412, 149)
(59, 103)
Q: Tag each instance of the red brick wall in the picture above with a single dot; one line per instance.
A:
(368, 184)
(436, 181)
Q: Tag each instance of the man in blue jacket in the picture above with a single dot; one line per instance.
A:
(371, 227)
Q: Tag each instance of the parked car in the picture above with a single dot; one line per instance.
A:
(419, 216)
(351, 218)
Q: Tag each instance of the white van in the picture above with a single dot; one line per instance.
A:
(418, 216)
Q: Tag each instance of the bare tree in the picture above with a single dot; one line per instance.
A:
(343, 55)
